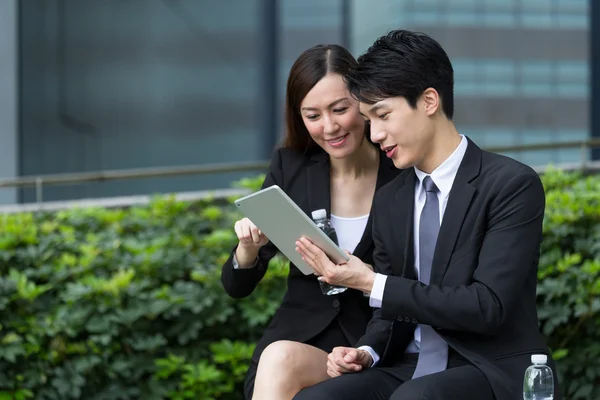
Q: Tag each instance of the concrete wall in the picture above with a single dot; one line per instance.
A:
(8, 97)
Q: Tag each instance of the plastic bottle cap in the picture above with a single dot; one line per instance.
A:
(319, 214)
(539, 358)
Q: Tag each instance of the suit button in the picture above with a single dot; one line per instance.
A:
(336, 303)
(400, 319)
(414, 320)
(406, 319)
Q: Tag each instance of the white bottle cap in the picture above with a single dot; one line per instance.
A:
(539, 358)
(319, 214)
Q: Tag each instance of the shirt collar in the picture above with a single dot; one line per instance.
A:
(443, 176)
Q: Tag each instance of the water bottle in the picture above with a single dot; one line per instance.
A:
(539, 381)
(320, 218)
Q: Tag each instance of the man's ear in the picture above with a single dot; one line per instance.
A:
(431, 101)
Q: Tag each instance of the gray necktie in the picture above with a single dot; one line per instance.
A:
(433, 354)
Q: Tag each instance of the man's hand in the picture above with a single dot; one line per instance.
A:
(353, 274)
(344, 360)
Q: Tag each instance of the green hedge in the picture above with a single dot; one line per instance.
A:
(127, 304)
(569, 280)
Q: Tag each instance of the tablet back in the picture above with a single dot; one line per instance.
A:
(283, 222)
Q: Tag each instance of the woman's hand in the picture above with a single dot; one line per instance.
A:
(251, 239)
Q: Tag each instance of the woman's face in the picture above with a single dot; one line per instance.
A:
(332, 118)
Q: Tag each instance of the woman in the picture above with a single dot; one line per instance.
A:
(325, 162)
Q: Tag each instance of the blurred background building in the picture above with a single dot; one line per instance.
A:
(91, 85)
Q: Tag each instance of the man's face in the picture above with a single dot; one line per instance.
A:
(403, 132)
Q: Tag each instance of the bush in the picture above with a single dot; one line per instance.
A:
(569, 284)
(127, 304)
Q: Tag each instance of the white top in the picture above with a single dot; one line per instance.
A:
(443, 177)
(349, 230)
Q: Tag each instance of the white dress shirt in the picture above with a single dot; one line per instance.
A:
(443, 177)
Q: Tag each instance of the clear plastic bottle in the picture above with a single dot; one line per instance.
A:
(538, 383)
(320, 218)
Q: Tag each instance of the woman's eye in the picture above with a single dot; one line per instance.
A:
(340, 110)
(384, 116)
(312, 117)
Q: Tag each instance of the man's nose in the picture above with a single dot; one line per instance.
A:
(377, 135)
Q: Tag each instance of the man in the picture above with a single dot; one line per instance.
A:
(457, 239)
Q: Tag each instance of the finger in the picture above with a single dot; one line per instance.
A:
(239, 231)
(311, 263)
(332, 368)
(342, 370)
(333, 373)
(338, 353)
(347, 360)
(353, 359)
(246, 233)
(349, 368)
(365, 359)
(262, 235)
(254, 234)
(318, 268)
(304, 250)
(345, 367)
(310, 247)
(307, 256)
(314, 253)
(351, 356)
(303, 254)
(318, 255)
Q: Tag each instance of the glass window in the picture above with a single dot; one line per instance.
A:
(505, 53)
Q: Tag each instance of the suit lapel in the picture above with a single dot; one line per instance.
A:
(319, 184)
(403, 210)
(459, 201)
(387, 171)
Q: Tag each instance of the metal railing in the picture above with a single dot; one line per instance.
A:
(40, 181)
(135, 173)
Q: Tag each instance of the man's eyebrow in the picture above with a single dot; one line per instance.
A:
(331, 105)
(376, 107)
(372, 110)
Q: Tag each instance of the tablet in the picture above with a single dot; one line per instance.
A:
(283, 222)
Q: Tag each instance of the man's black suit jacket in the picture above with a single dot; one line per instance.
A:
(482, 295)
(305, 311)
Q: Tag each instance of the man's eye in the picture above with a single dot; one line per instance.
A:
(384, 116)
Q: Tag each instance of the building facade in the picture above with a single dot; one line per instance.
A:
(112, 84)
